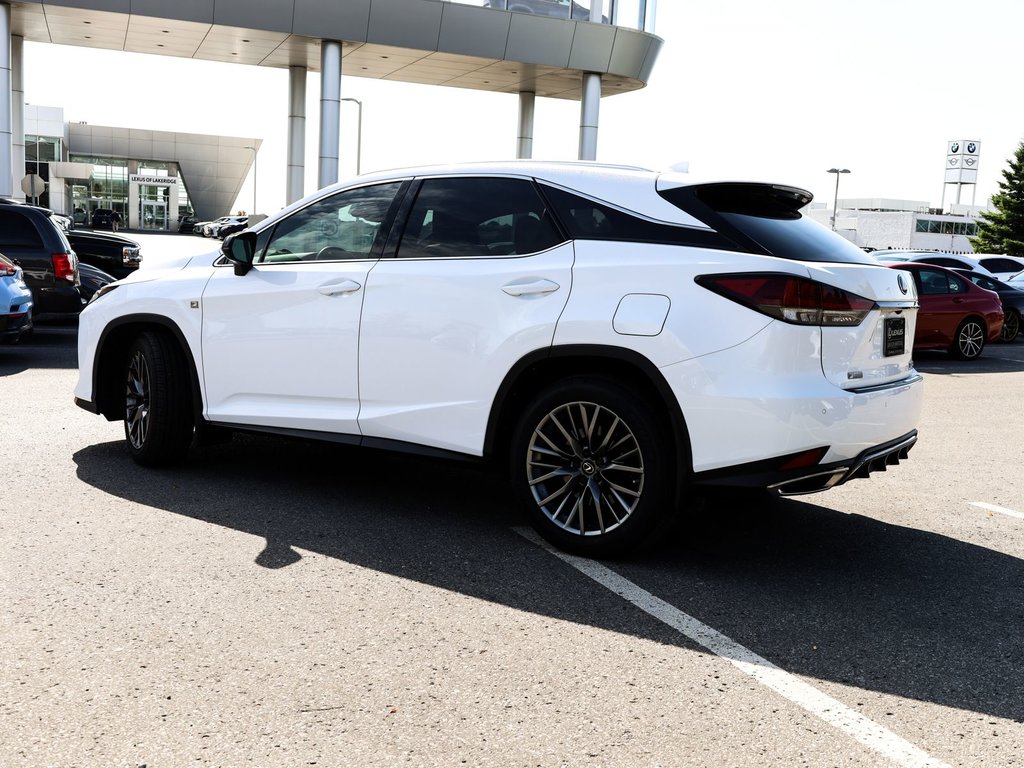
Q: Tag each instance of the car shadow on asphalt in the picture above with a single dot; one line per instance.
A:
(996, 358)
(51, 345)
(841, 598)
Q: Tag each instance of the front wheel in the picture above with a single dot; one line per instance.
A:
(1011, 326)
(969, 340)
(592, 466)
(158, 418)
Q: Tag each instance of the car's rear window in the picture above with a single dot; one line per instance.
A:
(17, 230)
(768, 218)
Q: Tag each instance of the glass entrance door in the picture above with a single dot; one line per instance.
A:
(153, 214)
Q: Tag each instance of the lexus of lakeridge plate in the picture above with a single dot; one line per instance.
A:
(615, 337)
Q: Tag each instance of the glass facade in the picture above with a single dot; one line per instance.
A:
(637, 14)
(40, 151)
(108, 187)
(939, 227)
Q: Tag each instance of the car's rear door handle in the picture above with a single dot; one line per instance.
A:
(531, 288)
(339, 289)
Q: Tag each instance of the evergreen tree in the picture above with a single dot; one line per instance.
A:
(1002, 230)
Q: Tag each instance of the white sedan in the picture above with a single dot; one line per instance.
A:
(613, 336)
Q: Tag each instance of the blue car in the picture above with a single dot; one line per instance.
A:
(15, 302)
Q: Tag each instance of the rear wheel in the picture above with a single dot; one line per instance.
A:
(969, 340)
(1011, 326)
(158, 417)
(592, 466)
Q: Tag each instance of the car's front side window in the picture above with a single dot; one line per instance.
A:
(341, 227)
(455, 217)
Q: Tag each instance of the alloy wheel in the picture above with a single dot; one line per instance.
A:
(585, 469)
(971, 339)
(137, 397)
(1011, 327)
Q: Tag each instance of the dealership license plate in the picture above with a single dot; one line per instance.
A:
(895, 336)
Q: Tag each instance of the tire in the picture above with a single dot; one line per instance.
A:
(159, 420)
(591, 465)
(969, 340)
(1011, 326)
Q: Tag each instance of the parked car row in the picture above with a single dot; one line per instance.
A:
(60, 268)
(965, 301)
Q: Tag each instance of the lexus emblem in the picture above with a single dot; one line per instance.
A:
(901, 279)
(954, 147)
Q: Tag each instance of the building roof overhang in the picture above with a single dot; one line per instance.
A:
(418, 41)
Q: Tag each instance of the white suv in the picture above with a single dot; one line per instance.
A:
(613, 335)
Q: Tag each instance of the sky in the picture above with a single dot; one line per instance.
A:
(743, 89)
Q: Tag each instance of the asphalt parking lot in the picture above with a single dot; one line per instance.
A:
(274, 603)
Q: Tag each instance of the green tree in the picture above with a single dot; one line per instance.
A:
(1002, 230)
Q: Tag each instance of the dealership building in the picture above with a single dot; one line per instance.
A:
(148, 177)
(580, 51)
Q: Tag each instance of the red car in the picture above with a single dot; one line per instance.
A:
(955, 314)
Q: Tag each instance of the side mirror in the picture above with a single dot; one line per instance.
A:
(240, 249)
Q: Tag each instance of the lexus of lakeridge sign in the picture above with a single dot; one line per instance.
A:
(162, 180)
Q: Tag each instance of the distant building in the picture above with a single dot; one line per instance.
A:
(912, 224)
(148, 177)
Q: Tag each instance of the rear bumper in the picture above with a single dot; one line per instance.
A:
(12, 327)
(813, 479)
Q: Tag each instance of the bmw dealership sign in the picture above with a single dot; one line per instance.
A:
(962, 161)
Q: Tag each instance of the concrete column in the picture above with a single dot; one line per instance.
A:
(524, 142)
(18, 113)
(6, 145)
(590, 113)
(296, 177)
(596, 11)
(330, 111)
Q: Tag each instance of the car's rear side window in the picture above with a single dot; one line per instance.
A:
(767, 219)
(997, 264)
(587, 219)
(18, 231)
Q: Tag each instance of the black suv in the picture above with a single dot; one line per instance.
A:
(112, 253)
(105, 218)
(31, 239)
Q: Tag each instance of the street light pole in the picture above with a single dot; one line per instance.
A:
(253, 179)
(359, 135)
(835, 200)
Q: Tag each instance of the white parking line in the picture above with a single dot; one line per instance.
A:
(832, 711)
(1000, 510)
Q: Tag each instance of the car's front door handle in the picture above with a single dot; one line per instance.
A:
(531, 288)
(340, 289)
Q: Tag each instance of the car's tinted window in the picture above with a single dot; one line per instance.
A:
(983, 282)
(935, 282)
(477, 217)
(766, 218)
(587, 219)
(942, 261)
(1000, 265)
(18, 230)
(338, 228)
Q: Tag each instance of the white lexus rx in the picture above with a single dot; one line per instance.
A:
(616, 337)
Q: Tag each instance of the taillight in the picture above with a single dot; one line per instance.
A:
(791, 299)
(63, 267)
(7, 270)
